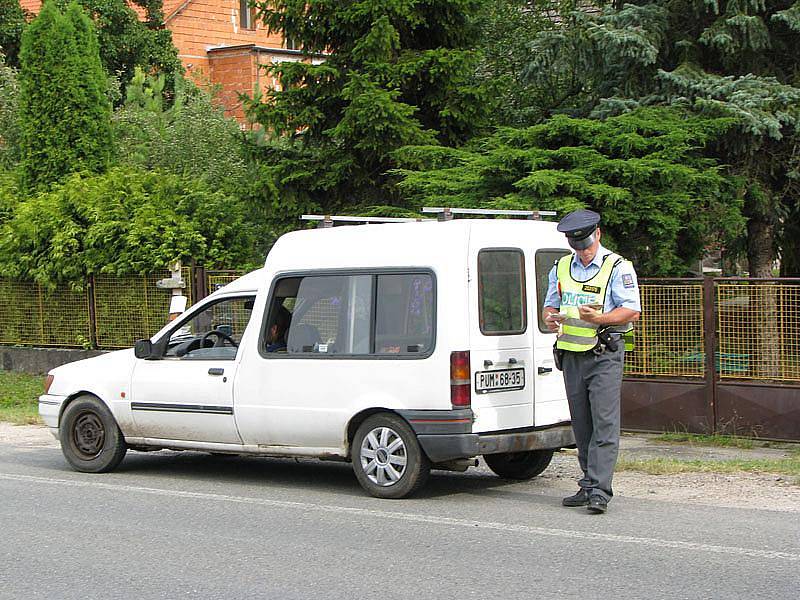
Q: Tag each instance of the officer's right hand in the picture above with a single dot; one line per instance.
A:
(552, 321)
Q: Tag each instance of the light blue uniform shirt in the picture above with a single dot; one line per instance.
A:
(623, 289)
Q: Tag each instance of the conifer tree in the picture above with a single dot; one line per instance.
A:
(9, 129)
(721, 57)
(64, 114)
(375, 75)
(12, 22)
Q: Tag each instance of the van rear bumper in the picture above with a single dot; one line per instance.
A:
(445, 447)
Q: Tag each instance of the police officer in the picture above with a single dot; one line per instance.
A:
(592, 301)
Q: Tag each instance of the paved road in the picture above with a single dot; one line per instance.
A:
(188, 525)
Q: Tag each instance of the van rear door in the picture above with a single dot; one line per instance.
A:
(551, 398)
(501, 349)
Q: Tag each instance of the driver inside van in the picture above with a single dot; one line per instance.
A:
(276, 340)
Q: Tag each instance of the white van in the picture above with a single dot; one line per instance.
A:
(411, 346)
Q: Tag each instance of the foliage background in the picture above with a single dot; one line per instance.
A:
(677, 119)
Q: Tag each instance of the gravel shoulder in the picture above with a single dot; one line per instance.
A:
(758, 491)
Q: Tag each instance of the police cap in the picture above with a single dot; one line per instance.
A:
(579, 227)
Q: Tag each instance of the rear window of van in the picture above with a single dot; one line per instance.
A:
(501, 291)
(545, 261)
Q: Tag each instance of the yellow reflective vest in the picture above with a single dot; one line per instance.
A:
(576, 334)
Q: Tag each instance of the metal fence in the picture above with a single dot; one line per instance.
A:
(748, 329)
(106, 312)
(218, 279)
(716, 355)
(669, 335)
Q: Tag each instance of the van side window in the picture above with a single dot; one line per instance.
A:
(545, 260)
(212, 334)
(501, 292)
(361, 314)
(404, 314)
(331, 315)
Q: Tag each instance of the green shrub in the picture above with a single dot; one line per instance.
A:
(124, 221)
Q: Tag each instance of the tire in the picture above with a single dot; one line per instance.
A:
(387, 459)
(519, 465)
(90, 438)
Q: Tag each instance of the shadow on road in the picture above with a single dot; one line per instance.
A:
(287, 473)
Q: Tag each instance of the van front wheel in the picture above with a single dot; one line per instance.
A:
(519, 465)
(90, 438)
(387, 459)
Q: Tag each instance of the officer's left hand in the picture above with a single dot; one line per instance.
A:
(590, 315)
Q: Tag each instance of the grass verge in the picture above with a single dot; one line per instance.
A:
(726, 441)
(789, 466)
(19, 397)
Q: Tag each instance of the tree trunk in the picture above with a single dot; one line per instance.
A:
(760, 246)
(765, 360)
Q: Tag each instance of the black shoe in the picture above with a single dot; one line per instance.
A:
(579, 499)
(597, 504)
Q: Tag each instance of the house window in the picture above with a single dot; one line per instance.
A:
(247, 15)
(291, 43)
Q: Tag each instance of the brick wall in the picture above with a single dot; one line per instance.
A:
(205, 24)
(214, 47)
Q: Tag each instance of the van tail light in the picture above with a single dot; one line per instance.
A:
(48, 381)
(460, 379)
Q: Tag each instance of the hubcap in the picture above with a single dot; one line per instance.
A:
(383, 456)
(88, 435)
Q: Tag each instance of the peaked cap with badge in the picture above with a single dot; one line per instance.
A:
(579, 226)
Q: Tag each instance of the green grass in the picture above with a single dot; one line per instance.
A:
(789, 466)
(19, 396)
(727, 441)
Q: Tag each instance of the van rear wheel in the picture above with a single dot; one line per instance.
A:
(387, 459)
(519, 465)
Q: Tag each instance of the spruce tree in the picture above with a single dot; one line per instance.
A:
(736, 58)
(375, 75)
(64, 114)
(648, 172)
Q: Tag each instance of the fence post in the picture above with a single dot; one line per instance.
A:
(199, 282)
(92, 313)
(710, 343)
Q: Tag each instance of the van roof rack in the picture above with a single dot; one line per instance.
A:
(446, 214)
(442, 214)
(328, 220)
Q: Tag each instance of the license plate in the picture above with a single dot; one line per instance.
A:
(500, 380)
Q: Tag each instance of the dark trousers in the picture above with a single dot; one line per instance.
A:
(593, 387)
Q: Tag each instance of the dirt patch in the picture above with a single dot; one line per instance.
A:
(758, 491)
(26, 435)
(761, 491)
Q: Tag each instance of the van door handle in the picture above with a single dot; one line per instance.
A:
(543, 370)
(512, 361)
(487, 363)
(216, 371)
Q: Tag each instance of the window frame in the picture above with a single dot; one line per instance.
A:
(540, 301)
(162, 343)
(374, 273)
(524, 291)
(247, 18)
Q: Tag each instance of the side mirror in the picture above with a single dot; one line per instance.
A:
(143, 348)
